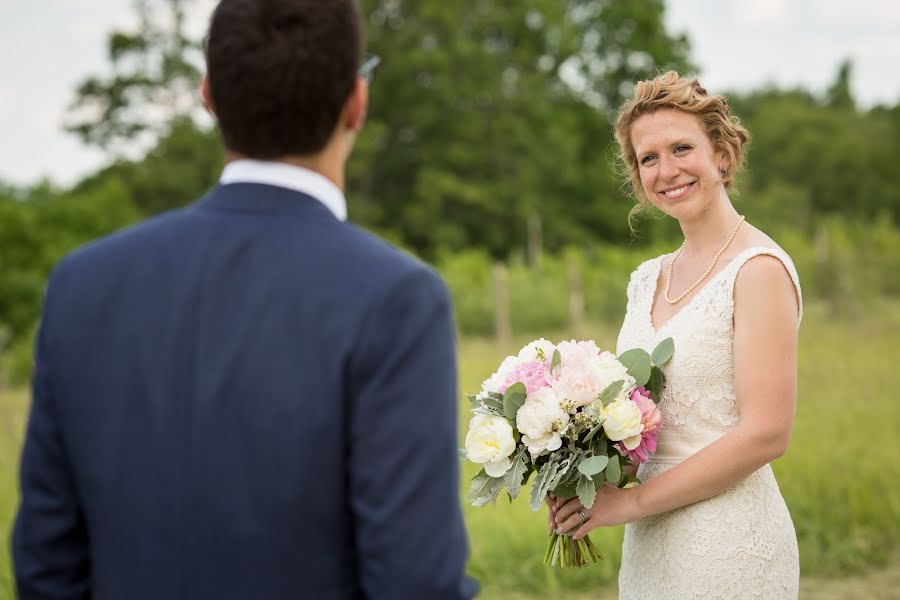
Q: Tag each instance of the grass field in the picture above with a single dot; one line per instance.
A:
(840, 478)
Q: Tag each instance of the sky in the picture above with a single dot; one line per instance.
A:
(48, 46)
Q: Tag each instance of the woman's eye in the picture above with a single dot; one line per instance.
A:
(647, 159)
(682, 148)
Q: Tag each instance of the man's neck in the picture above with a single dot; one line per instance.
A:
(322, 163)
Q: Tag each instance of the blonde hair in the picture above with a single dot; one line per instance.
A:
(671, 91)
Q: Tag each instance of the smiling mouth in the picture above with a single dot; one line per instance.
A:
(677, 192)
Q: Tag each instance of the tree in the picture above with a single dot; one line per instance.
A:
(839, 94)
(155, 74)
(486, 117)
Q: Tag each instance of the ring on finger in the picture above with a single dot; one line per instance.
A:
(582, 515)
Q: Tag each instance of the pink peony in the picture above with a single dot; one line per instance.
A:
(639, 448)
(532, 373)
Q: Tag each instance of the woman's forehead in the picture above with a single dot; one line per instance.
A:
(664, 125)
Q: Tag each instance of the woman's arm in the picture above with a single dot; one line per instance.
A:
(765, 367)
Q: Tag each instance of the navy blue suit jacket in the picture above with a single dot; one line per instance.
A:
(244, 399)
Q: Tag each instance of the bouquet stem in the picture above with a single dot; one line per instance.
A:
(565, 551)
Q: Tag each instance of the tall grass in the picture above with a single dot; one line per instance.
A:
(12, 424)
(840, 478)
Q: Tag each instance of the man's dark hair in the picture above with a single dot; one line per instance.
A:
(280, 72)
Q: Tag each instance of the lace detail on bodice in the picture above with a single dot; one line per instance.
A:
(741, 543)
(699, 397)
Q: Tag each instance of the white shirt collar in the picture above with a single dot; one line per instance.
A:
(288, 176)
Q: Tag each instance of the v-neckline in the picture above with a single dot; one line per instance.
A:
(653, 328)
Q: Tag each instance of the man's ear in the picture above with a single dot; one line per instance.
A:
(206, 95)
(354, 116)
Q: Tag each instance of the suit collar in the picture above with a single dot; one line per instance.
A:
(287, 176)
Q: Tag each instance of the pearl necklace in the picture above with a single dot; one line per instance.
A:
(702, 277)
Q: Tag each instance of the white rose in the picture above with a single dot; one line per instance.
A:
(542, 421)
(490, 442)
(584, 372)
(539, 350)
(498, 380)
(623, 420)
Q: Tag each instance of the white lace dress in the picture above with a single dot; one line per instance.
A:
(741, 543)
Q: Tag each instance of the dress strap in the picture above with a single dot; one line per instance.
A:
(741, 259)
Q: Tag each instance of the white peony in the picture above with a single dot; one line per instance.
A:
(542, 421)
(584, 372)
(623, 421)
(539, 350)
(490, 442)
(497, 381)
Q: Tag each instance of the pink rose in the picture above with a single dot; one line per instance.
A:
(532, 373)
(638, 448)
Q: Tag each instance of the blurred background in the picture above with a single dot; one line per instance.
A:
(489, 153)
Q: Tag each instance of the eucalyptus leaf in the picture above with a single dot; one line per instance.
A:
(513, 400)
(557, 358)
(611, 392)
(663, 352)
(614, 470)
(593, 465)
(587, 492)
(637, 361)
(656, 383)
(516, 474)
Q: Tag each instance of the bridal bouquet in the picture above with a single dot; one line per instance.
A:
(571, 415)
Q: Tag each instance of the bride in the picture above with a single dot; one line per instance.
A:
(709, 520)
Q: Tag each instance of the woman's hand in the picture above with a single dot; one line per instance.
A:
(550, 499)
(612, 506)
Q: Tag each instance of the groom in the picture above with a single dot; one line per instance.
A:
(249, 398)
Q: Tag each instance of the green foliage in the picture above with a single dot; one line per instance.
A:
(186, 161)
(663, 352)
(637, 361)
(155, 74)
(468, 275)
(487, 116)
(513, 400)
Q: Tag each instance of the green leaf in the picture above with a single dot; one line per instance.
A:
(637, 361)
(663, 352)
(513, 400)
(566, 491)
(484, 489)
(557, 358)
(593, 465)
(593, 432)
(614, 470)
(610, 392)
(587, 492)
(656, 383)
(516, 474)
(542, 484)
(493, 402)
